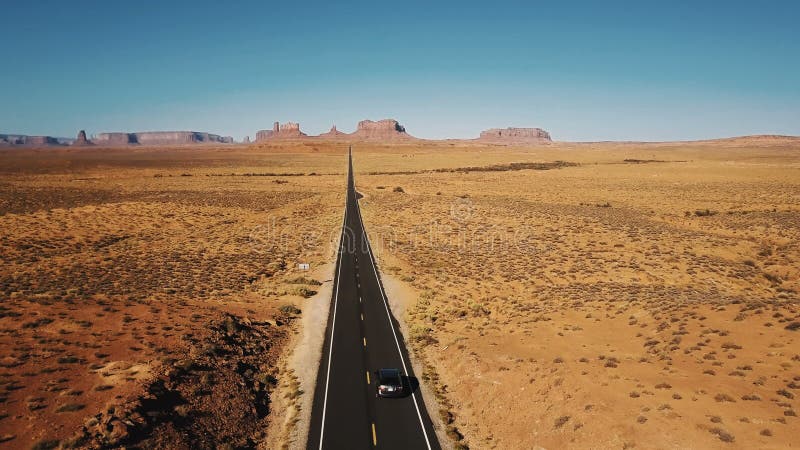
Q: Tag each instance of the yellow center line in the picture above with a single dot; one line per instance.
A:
(368, 377)
(362, 316)
(365, 342)
(374, 436)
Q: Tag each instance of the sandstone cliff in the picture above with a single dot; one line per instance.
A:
(160, 138)
(279, 130)
(32, 141)
(515, 135)
(113, 139)
(382, 129)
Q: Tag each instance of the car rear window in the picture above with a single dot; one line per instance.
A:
(389, 377)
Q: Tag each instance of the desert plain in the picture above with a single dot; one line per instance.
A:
(562, 295)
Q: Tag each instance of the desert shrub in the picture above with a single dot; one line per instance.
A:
(46, 444)
(723, 435)
(724, 398)
(785, 393)
(420, 333)
(70, 407)
(772, 278)
(398, 189)
(289, 309)
(304, 280)
(454, 434)
(794, 326)
(68, 360)
(37, 323)
(304, 292)
(704, 212)
(561, 421)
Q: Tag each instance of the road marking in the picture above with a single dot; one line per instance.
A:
(362, 316)
(359, 299)
(391, 325)
(333, 325)
(368, 377)
(365, 342)
(374, 436)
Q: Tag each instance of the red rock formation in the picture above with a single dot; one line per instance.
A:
(382, 129)
(515, 135)
(279, 130)
(333, 133)
(81, 139)
(114, 139)
(41, 140)
(160, 138)
(38, 141)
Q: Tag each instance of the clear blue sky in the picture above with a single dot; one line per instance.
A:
(584, 70)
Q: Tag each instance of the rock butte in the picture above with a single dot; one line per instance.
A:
(279, 130)
(81, 139)
(24, 140)
(367, 130)
(383, 130)
(515, 135)
(160, 138)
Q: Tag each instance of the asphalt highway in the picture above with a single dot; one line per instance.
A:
(362, 336)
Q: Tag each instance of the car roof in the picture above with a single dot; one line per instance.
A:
(389, 372)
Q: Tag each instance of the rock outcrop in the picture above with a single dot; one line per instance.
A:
(288, 130)
(32, 141)
(160, 138)
(246, 140)
(333, 133)
(41, 140)
(382, 129)
(12, 139)
(114, 139)
(81, 139)
(515, 135)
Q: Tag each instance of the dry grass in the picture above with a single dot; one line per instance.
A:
(566, 296)
(117, 264)
(636, 299)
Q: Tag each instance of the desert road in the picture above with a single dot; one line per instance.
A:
(362, 337)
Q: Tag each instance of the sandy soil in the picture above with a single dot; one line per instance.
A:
(150, 295)
(647, 303)
(636, 296)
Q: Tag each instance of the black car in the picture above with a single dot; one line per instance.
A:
(389, 383)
